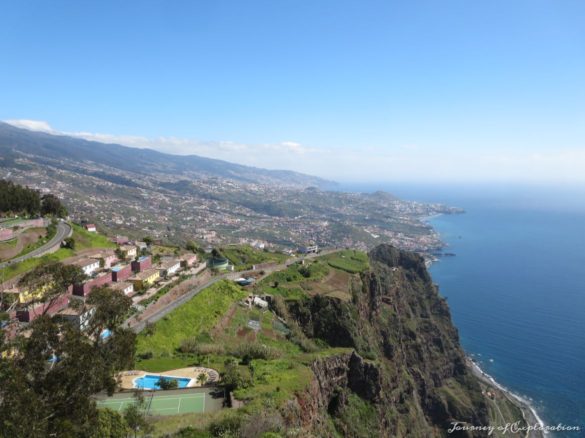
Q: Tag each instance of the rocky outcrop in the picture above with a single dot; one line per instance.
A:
(406, 375)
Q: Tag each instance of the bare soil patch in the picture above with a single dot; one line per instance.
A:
(24, 239)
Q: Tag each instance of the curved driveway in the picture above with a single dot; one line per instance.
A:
(63, 231)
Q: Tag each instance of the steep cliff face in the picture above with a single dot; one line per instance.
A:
(406, 375)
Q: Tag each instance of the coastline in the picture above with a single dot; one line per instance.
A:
(529, 413)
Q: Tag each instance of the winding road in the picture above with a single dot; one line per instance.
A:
(63, 231)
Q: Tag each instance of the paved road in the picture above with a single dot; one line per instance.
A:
(138, 327)
(63, 231)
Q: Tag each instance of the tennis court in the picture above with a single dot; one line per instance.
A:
(161, 404)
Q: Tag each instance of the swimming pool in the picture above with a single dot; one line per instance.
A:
(150, 381)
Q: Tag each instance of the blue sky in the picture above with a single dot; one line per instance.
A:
(351, 90)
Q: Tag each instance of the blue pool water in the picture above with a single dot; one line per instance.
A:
(150, 381)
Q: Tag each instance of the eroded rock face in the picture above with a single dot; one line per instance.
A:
(407, 369)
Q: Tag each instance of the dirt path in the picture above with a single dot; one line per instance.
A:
(224, 322)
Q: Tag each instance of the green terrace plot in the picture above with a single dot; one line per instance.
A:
(350, 260)
(243, 257)
(323, 276)
(236, 331)
(291, 282)
(162, 250)
(195, 317)
(274, 382)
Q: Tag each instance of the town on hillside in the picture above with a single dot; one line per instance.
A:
(153, 339)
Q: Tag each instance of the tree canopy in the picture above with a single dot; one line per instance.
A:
(47, 378)
(17, 199)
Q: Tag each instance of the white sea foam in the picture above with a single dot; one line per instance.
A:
(525, 401)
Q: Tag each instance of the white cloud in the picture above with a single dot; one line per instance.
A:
(273, 155)
(33, 125)
(409, 162)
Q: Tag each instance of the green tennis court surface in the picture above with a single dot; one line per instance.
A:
(161, 404)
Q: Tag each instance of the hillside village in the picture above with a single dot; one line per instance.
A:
(195, 341)
(127, 268)
(174, 204)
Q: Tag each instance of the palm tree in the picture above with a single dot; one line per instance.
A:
(202, 379)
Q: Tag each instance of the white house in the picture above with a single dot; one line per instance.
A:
(141, 245)
(91, 228)
(88, 266)
(309, 249)
(170, 267)
(129, 250)
(257, 301)
(125, 287)
(78, 317)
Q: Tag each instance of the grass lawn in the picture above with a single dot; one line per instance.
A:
(198, 315)
(170, 424)
(350, 260)
(84, 239)
(26, 265)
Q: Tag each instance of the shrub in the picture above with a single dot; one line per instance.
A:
(194, 345)
(263, 424)
(146, 355)
(255, 350)
(190, 432)
(69, 243)
(232, 378)
(226, 427)
(297, 336)
(188, 345)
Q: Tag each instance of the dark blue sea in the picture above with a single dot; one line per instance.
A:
(516, 287)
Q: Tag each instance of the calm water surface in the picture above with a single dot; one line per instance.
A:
(516, 288)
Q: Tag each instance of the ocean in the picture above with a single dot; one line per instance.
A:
(516, 288)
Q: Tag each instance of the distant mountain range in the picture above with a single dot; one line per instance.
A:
(42, 148)
(142, 192)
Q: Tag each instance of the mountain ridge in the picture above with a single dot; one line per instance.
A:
(15, 141)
